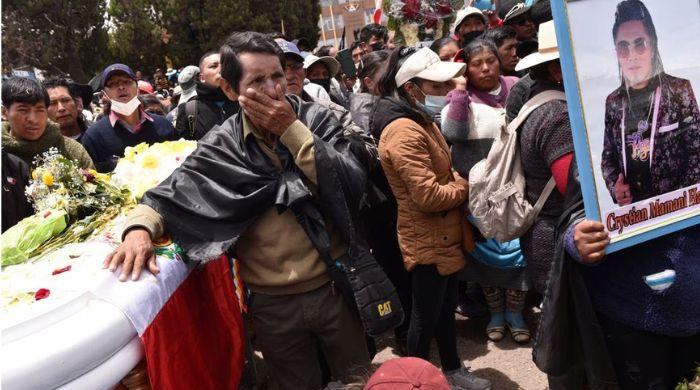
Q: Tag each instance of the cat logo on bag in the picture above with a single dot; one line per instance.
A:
(384, 308)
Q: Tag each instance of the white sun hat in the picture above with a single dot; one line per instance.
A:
(547, 51)
(331, 63)
(426, 64)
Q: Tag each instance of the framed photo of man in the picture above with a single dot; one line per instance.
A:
(631, 72)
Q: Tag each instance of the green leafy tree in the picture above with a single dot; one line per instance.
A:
(137, 36)
(61, 37)
(184, 30)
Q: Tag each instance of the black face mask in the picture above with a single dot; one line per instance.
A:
(325, 83)
(378, 46)
(465, 39)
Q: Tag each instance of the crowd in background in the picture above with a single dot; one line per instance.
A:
(416, 120)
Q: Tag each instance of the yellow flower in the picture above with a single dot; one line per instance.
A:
(140, 148)
(35, 174)
(47, 178)
(149, 161)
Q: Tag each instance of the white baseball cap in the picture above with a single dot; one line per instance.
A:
(331, 63)
(466, 12)
(426, 64)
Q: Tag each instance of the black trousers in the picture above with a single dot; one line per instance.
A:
(645, 360)
(433, 315)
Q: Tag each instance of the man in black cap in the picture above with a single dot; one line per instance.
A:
(520, 19)
(126, 124)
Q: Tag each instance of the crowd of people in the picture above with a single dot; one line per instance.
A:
(302, 165)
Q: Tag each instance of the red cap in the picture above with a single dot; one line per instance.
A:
(145, 87)
(407, 373)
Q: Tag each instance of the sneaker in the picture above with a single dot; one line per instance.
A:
(463, 379)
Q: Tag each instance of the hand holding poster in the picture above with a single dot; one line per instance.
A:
(631, 71)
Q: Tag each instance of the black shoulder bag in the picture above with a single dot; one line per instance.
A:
(358, 277)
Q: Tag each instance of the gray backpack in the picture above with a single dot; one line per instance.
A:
(497, 198)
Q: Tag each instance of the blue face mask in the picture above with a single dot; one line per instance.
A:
(433, 104)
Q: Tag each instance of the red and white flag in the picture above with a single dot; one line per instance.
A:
(189, 323)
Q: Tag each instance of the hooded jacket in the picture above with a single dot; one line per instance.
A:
(212, 108)
(52, 138)
(417, 164)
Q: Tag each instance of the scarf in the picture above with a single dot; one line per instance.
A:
(28, 150)
(497, 101)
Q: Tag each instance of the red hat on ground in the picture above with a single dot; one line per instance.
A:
(145, 87)
(407, 373)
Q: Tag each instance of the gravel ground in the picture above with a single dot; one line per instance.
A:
(506, 364)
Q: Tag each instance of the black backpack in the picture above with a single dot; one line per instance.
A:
(191, 115)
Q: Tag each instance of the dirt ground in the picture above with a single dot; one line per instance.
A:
(506, 364)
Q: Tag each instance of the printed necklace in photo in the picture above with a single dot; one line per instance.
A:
(643, 124)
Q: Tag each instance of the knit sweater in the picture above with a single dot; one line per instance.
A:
(471, 121)
(106, 143)
(52, 137)
(618, 290)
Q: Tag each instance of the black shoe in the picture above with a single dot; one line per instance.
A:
(471, 310)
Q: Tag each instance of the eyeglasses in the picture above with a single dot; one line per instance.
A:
(293, 66)
(623, 47)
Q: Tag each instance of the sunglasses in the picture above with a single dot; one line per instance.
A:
(624, 48)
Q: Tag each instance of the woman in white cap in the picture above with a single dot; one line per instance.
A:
(431, 224)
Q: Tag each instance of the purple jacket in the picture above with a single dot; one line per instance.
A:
(675, 140)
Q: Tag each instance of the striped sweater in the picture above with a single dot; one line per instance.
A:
(471, 121)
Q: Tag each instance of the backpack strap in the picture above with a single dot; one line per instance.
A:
(191, 115)
(533, 104)
(543, 197)
(527, 109)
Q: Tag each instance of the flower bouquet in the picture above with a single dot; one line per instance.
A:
(70, 204)
(693, 385)
(144, 167)
(417, 20)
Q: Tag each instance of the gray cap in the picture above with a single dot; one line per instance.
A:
(188, 77)
(188, 82)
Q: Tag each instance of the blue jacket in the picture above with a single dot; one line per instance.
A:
(106, 144)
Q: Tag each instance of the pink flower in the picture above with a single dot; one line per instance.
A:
(411, 9)
(430, 20)
(444, 9)
(88, 175)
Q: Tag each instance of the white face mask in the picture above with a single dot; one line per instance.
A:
(127, 108)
